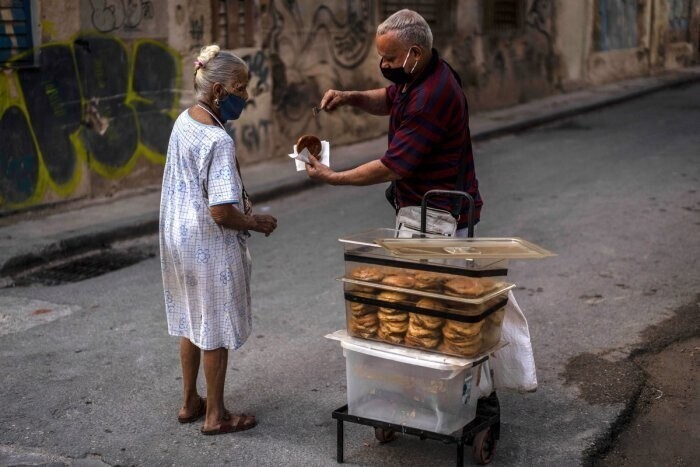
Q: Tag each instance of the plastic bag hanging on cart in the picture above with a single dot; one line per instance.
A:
(514, 365)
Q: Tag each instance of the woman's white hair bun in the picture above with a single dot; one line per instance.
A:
(206, 54)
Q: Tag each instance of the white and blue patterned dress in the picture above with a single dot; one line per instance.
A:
(206, 268)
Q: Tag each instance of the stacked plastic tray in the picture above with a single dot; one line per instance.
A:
(445, 305)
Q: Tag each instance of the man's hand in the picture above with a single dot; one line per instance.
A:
(372, 101)
(263, 223)
(318, 171)
(333, 99)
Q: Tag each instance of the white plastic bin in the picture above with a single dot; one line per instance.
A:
(410, 387)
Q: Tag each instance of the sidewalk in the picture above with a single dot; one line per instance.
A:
(30, 239)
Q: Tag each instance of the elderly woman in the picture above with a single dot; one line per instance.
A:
(205, 219)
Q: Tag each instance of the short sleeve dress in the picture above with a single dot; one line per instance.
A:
(206, 268)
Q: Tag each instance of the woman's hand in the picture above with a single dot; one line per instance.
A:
(263, 223)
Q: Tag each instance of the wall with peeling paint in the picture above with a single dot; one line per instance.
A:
(94, 119)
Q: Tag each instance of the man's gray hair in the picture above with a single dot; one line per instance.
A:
(409, 27)
(216, 66)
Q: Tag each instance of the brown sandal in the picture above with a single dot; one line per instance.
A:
(199, 413)
(244, 422)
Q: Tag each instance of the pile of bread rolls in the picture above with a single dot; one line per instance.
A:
(420, 330)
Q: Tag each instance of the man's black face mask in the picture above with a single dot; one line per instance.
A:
(397, 75)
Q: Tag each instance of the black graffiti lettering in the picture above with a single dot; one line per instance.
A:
(258, 68)
(133, 13)
(52, 97)
(250, 137)
(19, 161)
(104, 16)
(108, 16)
(252, 134)
(110, 86)
(265, 127)
(154, 80)
(147, 9)
(352, 43)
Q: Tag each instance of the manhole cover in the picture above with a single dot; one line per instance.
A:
(82, 268)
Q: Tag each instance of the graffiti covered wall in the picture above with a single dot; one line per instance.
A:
(95, 113)
(91, 102)
(253, 132)
(312, 47)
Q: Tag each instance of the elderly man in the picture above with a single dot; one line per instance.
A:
(429, 148)
(429, 142)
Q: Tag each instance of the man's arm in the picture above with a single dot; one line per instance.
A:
(366, 174)
(372, 101)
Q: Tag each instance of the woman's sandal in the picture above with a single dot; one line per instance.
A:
(243, 422)
(198, 413)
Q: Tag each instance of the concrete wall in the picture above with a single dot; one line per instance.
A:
(505, 67)
(94, 118)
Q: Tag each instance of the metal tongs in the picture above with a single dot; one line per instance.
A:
(316, 110)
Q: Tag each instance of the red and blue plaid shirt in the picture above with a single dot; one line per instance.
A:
(428, 134)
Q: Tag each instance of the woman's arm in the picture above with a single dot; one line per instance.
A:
(226, 215)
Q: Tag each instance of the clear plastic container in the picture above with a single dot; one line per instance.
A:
(410, 388)
(459, 326)
(366, 248)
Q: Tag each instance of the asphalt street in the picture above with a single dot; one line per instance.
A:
(615, 193)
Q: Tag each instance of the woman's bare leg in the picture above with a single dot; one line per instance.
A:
(189, 359)
(215, 365)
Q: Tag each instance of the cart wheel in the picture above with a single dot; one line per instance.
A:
(483, 446)
(384, 436)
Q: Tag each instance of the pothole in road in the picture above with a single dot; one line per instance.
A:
(658, 385)
(81, 268)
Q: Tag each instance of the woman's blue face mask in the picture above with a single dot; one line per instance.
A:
(231, 107)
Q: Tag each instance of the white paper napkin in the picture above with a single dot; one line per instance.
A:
(301, 158)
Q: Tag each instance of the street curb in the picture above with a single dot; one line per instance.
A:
(79, 242)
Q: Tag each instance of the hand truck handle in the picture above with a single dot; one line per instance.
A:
(448, 193)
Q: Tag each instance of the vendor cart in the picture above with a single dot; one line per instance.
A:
(472, 421)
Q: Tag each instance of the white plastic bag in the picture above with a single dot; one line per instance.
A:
(437, 221)
(514, 365)
(484, 382)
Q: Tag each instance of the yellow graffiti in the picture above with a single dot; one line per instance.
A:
(6, 101)
(132, 96)
(48, 29)
(45, 179)
(11, 94)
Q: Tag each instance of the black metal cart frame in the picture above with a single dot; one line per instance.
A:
(466, 437)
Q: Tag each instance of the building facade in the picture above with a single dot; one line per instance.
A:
(89, 89)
